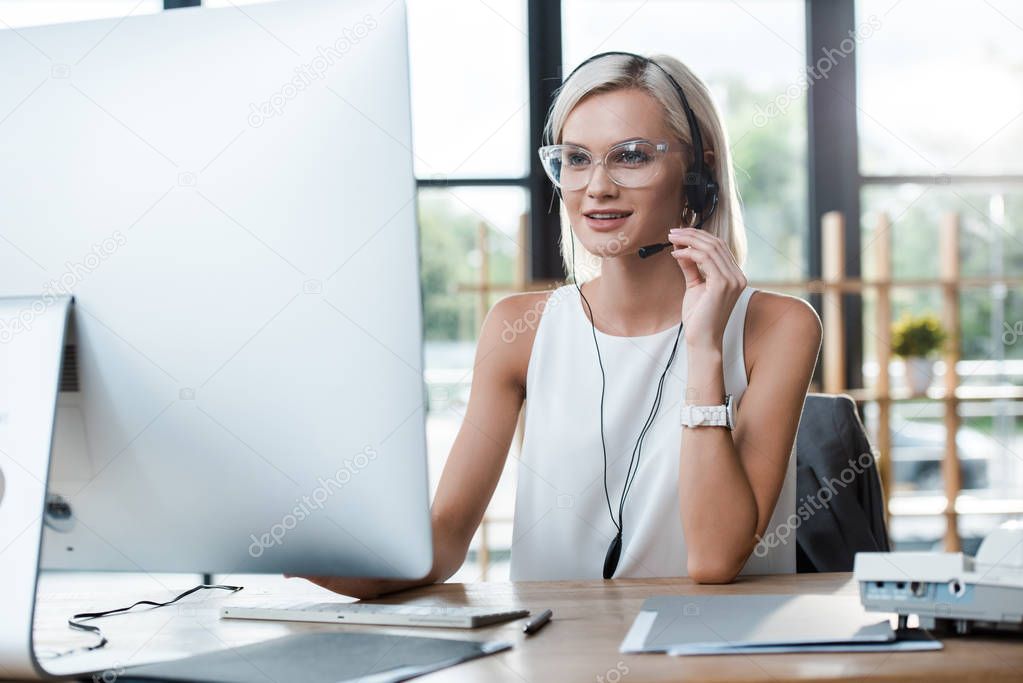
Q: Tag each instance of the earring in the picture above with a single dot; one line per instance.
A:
(689, 217)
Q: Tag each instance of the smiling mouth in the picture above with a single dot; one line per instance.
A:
(607, 215)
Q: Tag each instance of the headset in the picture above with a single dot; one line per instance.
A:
(701, 191)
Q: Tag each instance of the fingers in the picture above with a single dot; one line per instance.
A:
(321, 581)
(702, 256)
(719, 253)
(725, 268)
(328, 582)
(711, 253)
(695, 252)
(689, 266)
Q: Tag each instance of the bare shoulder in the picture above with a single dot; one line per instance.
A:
(780, 324)
(506, 340)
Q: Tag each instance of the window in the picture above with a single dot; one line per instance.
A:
(935, 127)
(21, 13)
(927, 109)
(469, 102)
(470, 114)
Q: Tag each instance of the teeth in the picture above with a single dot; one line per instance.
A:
(608, 215)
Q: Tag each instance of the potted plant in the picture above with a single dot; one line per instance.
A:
(914, 339)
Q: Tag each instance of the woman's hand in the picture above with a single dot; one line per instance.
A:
(363, 589)
(710, 295)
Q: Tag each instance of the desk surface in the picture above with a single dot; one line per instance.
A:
(580, 644)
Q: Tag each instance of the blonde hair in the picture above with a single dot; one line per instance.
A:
(620, 72)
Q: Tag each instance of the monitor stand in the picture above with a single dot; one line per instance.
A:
(32, 332)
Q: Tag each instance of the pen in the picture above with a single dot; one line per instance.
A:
(537, 622)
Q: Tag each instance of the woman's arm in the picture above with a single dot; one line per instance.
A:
(729, 482)
(733, 479)
(479, 452)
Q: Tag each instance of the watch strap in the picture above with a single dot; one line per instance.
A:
(709, 416)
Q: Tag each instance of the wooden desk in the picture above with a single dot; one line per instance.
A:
(580, 644)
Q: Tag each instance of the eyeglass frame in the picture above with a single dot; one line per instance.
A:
(662, 147)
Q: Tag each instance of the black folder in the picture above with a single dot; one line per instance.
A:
(319, 657)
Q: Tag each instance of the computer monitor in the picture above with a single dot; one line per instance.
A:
(228, 194)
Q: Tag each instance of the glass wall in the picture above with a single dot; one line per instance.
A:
(942, 100)
(763, 102)
(21, 13)
(470, 122)
(935, 129)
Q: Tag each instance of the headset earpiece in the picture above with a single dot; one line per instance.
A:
(701, 192)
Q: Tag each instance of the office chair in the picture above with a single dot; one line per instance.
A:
(838, 489)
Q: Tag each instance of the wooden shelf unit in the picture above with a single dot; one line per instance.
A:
(949, 392)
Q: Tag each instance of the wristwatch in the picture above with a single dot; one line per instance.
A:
(709, 416)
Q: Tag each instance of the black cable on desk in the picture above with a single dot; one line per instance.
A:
(76, 620)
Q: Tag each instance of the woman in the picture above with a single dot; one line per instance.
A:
(616, 358)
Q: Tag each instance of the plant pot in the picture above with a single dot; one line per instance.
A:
(919, 374)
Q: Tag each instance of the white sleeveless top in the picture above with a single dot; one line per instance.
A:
(562, 527)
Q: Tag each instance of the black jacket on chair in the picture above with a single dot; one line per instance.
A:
(838, 491)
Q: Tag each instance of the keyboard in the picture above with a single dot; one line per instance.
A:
(371, 613)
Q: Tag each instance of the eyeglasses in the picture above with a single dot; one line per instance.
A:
(633, 163)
